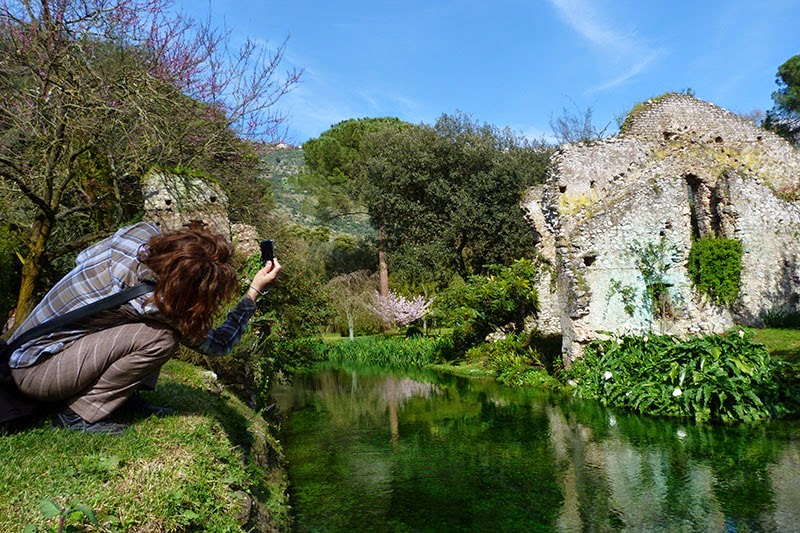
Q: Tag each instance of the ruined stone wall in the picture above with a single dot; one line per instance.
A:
(175, 201)
(716, 133)
(612, 212)
(769, 230)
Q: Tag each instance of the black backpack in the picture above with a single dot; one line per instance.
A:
(15, 407)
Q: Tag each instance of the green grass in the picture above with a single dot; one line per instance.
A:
(187, 472)
(783, 344)
(467, 370)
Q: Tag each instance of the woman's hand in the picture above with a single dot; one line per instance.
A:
(263, 277)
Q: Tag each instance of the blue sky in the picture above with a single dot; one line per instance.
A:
(513, 63)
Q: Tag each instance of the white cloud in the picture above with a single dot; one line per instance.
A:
(635, 69)
(626, 54)
(381, 102)
(308, 115)
(583, 17)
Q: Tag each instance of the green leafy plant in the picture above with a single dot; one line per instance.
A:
(504, 298)
(715, 268)
(68, 518)
(655, 301)
(626, 293)
(653, 262)
(514, 361)
(727, 378)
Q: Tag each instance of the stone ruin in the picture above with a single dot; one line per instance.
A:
(173, 201)
(680, 168)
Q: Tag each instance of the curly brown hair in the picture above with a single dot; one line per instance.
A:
(196, 276)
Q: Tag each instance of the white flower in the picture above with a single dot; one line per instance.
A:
(572, 383)
(741, 333)
(681, 433)
(608, 375)
(645, 339)
(612, 420)
(620, 341)
(677, 392)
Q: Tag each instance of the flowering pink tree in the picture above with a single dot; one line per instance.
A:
(395, 309)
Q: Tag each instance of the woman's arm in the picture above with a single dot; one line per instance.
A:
(221, 340)
(265, 276)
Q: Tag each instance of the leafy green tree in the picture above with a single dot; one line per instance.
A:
(348, 253)
(784, 117)
(448, 196)
(335, 172)
(333, 162)
(95, 93)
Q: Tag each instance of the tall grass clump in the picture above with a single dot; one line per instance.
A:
(726, 378)
(781, 319)
(388, 351)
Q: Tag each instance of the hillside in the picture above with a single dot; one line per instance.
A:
(297, 205)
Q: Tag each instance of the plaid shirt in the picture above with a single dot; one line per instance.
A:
(105, 268)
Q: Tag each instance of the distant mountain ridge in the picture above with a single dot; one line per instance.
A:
(282, 167)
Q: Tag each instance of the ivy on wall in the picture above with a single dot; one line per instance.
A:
(653, 261)
(715, 268)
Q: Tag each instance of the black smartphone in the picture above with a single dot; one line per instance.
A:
(267, 251)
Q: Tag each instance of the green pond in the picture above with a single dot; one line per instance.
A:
(374, 450)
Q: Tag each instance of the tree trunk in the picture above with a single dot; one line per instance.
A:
(32, 268)
(382, 267)
(351, 326)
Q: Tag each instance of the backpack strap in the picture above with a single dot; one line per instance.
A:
(59, 322)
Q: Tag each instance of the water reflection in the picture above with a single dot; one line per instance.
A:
(370, 451)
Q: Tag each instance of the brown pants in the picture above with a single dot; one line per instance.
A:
(99, 372)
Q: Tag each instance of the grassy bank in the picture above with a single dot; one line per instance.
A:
(782, 344)
(212, 466)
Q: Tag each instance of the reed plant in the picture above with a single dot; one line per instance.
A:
(390, 351)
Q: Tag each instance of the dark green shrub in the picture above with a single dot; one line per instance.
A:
(726, 378)
(414, 331)
(514, 361)
(715, 268)
(9, 271)
(293, 354)
(781, 319)
(504, 298)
